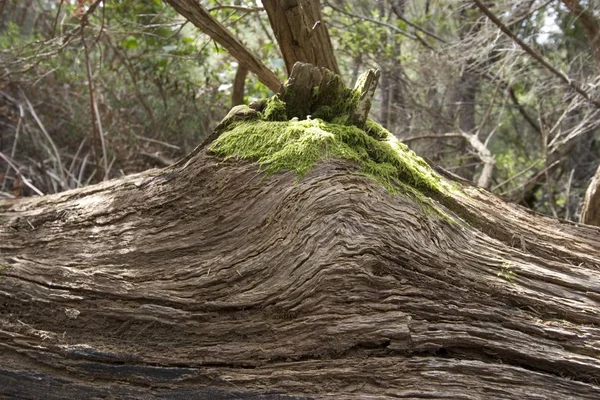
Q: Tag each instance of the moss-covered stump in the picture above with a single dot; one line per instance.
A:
(316, 117)
(297, 145)
(294, 259)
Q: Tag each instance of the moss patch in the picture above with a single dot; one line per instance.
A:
(275, 110)
(297, 145)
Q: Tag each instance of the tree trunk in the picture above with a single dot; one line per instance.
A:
(301, 33)
(239, 86)
(465, 96)
(208, 279)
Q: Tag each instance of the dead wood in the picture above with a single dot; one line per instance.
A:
(213, 277)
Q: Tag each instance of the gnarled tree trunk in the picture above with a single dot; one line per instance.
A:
(209, 279)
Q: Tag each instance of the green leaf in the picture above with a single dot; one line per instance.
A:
(130, 42)
(188, 40)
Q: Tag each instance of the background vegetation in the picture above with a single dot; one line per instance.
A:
(91, 91)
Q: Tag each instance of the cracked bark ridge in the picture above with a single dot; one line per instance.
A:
(211, 281)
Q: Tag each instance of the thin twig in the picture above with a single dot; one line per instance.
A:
(55, 24)
(25, 180)
(568, 194)
(407, 22)
(375, 21)
(515, 176)
(172, 146)
(82, 168)
(13, 151)
(76, 156)
(57, 156)
(237, 8)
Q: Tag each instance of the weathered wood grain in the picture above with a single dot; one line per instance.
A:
(213, 280)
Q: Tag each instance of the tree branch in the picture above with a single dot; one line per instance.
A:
(199, 16)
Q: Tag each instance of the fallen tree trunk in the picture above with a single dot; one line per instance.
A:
(369, 277)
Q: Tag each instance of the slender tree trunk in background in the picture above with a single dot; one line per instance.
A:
(386, 79)
(467, 88)
(398, 100)
(357, 63)
(465, 97)
(384, 115)
(392, 96)
(301, 33)
(239, 85)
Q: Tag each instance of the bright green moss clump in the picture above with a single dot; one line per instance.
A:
(275, 110)
(297, 145)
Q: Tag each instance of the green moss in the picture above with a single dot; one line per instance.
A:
(275, 110)
(377, 131)
(326, 102)
(297, 145)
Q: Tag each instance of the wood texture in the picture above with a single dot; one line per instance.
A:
(366, 86)
(211, 281)
(311, 87)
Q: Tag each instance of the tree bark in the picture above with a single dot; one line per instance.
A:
(301, 33)
(208, 279)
